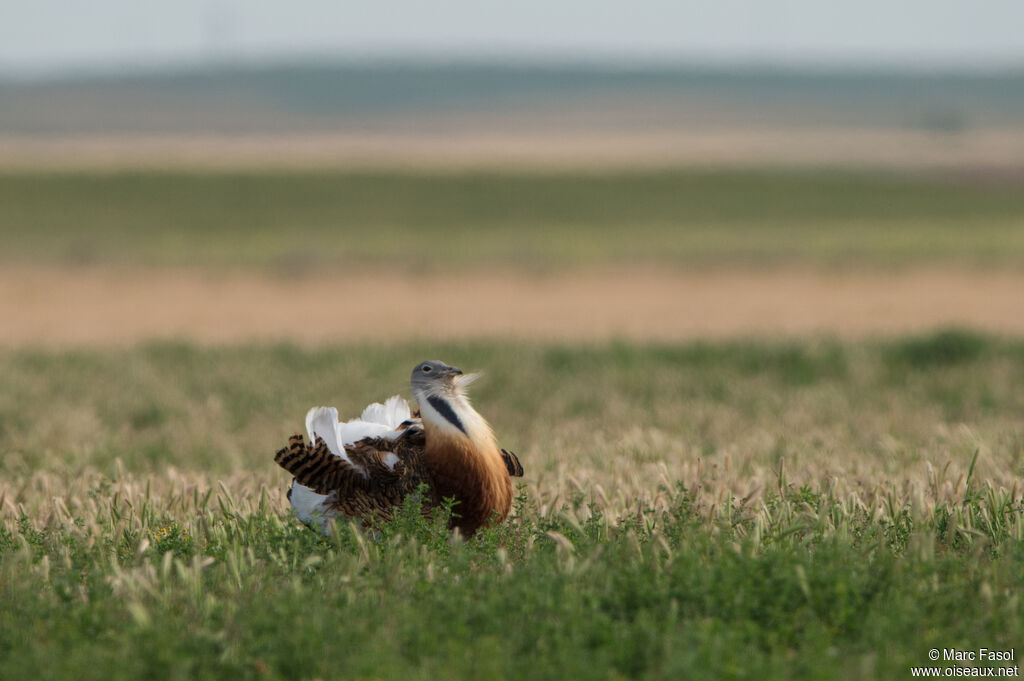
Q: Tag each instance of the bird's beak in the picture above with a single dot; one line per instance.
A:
(454, 372)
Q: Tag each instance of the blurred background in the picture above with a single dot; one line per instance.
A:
(663, 170)
(923, 84)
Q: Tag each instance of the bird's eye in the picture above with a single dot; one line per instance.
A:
(426, 370)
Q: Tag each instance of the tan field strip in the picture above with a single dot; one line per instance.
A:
(97, 306)
(529, 147)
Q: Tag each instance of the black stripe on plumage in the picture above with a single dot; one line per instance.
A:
(445, 410)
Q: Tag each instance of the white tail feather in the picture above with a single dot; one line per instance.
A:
(391, 413)
(355, 430)
(309, 507)
(323, 422)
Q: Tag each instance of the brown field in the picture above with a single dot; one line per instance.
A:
(99, 306)
(529, 147)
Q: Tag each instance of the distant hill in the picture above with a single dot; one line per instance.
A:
(379, 97)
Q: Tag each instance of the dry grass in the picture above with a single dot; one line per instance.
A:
(619, 426)
(82, 502)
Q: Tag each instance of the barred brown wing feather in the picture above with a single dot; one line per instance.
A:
(395, 470)
(515, 469)
(388, 470)
(316, 468)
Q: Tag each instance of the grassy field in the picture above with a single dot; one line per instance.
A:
(436, 221)
(749, 509)
(773, 509)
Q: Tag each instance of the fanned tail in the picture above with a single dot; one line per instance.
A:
(313, 467)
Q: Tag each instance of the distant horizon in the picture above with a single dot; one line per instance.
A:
(104, 70)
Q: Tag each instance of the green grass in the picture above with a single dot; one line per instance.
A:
(745, 509)
(459, 219)
(781, 593)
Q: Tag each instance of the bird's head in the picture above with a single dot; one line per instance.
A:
(437, 379)
(440, 392)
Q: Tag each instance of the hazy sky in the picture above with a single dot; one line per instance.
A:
(56, 35)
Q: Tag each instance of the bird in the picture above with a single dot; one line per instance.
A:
(363, 469)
